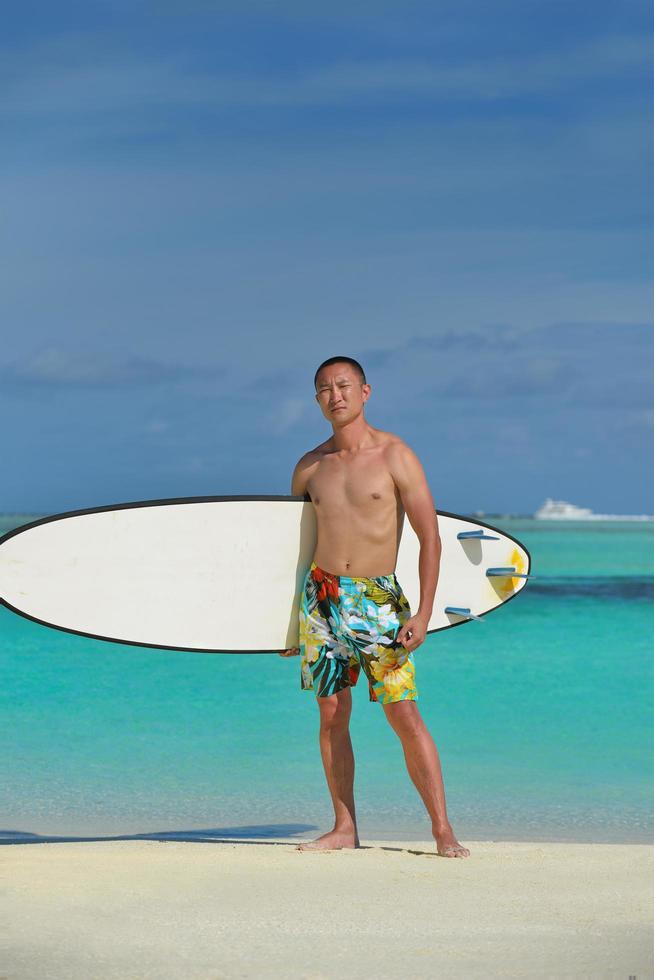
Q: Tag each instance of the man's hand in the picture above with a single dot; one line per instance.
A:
(413, 632)
(291, 652)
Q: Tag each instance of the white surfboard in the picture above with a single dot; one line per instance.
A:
(221, 574)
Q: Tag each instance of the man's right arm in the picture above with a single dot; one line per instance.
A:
(299, 482)
(301, 475)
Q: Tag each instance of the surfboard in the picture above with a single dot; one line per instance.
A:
(222, 574)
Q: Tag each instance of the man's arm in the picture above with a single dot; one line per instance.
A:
(301, 475)
(299, 482)
(410, 479)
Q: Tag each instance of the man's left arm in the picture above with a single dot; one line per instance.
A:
(410, 479)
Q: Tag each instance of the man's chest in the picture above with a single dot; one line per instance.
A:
(356, 483)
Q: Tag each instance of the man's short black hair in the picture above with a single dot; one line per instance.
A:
(337, 360)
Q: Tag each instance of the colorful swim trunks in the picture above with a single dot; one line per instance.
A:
(351, 622)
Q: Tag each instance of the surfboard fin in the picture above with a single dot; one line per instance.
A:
(508, 572)
(479, 534)
(462, 611)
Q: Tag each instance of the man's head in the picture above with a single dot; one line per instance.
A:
(341, 389)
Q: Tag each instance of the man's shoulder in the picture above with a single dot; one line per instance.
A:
(305, 469)
(392, 444)
(399, 457)
(313, 455)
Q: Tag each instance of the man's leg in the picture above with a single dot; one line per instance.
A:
(424, 768)
(338, 761)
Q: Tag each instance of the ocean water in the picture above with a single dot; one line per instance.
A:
(542, 713)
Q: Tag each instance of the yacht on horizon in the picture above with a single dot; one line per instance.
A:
(561, 510)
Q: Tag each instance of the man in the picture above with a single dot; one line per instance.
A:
(353, 613)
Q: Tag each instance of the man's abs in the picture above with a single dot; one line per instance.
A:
(359, 514)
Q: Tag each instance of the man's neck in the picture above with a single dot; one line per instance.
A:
(356, 435)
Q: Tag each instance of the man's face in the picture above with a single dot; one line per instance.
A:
(340, 393)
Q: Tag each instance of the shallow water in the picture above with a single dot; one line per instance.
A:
(542, 714)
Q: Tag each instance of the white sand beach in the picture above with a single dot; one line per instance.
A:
(168, 909)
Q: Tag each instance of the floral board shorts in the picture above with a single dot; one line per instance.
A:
(351, 622)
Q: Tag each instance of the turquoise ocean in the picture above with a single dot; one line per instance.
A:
(543, 715)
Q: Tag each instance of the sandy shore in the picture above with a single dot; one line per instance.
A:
(137, 909)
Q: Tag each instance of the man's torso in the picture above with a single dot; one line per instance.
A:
(358, 508)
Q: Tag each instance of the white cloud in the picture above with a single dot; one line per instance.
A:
(282, 416)
(58, 366)
(156, 426)
(44, 80)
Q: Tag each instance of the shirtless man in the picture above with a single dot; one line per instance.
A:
(353, 613)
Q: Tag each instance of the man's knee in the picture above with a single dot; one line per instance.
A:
(335, 710)
(404, 717)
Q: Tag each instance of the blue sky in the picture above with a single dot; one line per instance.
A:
(201, 201)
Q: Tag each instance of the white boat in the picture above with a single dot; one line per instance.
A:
(561, 510)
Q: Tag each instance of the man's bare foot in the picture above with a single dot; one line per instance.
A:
(448, 846)
(335, 840)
